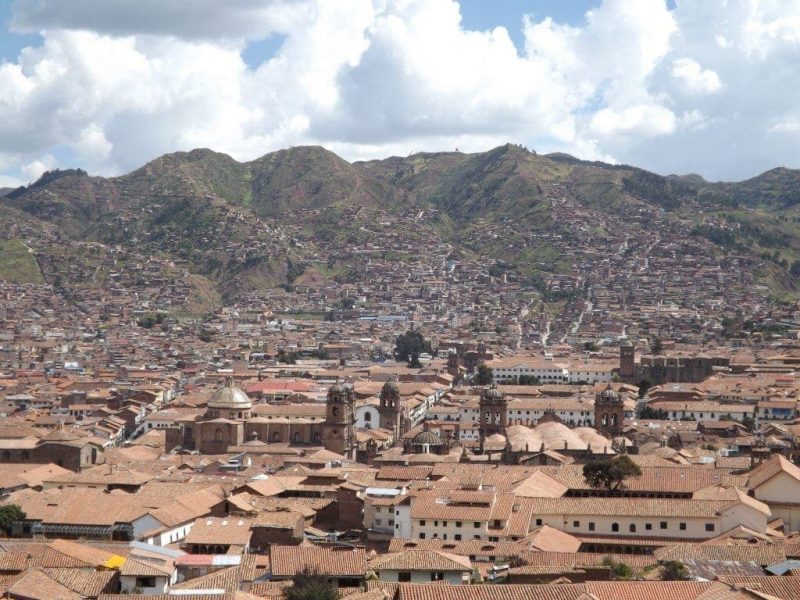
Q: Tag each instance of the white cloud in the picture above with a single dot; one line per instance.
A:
(642, 120)
(115, 84)
(694, 78)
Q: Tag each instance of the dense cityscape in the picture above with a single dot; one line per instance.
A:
(399, 300)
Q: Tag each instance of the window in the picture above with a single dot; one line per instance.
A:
(709, 527)
(615, 527)
(648, 526)
(368, 416)
(591, 526)
(145, 582)
(538, 522)
(476, 524)
(444, 523)
(458, 523)
(437, 576)
(422, 536)
(632, 528)
(404, 577)
(576, 523)
(663, 525)
(422, 523)
(436, 523)
(682, 527)
(457, 537)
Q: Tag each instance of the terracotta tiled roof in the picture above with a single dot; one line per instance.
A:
(286, 561)
(212, 530)
(420, 560)
(761, 554)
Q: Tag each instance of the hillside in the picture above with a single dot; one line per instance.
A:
(243, 227)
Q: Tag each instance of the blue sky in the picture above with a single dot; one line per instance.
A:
(662, 85)
(476, 14)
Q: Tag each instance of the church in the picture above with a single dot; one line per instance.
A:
(229, 421)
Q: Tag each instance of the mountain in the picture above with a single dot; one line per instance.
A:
(232, 228)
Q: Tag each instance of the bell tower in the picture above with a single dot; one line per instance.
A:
(609, 412)
(493, 412)
(339, 428)
(389, 408)
(627, 362)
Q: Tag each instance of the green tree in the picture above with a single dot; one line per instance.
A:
(409, 346)
(619, 570)
(749, 422)
(591, 347)
(483, 376)
(611, 473)
(643, 387)
(658, 346)
(8, 515)
(674, 570)
(308, 585)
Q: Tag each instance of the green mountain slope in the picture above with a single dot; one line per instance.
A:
(242, 227)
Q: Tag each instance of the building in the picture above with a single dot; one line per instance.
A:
(339, 433)
(493, 413)
(609, 413)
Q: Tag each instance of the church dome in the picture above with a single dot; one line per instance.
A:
(338, 388)
(492, 393)
(427, 437)
(391, 386)
(229, 397)
(609, 395)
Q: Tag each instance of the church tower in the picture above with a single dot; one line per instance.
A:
(339, 433)
(627, 362)
(608, 413)
(389, 408)
(493, 412)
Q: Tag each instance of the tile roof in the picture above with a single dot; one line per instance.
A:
(420, 560)
(214, 530)
(286, 561)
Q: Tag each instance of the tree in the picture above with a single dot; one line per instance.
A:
(674, 570)
(644, 386)
(8, 515)
(591, 347)
(309, 585)
(749, 422)
(483, 376)
(409, 346)
(612, 473)
(657, 346)
(619, 570)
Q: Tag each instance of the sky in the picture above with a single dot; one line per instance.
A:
(675, 86)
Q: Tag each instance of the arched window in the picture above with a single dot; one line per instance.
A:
(615, 527)
(633, 528)
(335, 410)
(613, 419)
(368, 416)
(218, 435)
(276, 436)
(317, 437)
(26, 455)
(296, 436)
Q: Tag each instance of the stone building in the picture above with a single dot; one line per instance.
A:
(339, 433)
(658, 369)
(609, 413)
(493, 411)
(389, 410)
(229, 422)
